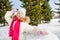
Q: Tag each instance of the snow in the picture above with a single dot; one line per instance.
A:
(53, 26)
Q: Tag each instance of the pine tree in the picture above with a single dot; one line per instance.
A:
(46, 12)
(58, 9)
(33, 10)
(4, 6)
(37, 10)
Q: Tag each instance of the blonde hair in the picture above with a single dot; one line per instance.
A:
(27, 19)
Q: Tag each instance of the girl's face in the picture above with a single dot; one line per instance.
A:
(20, 15)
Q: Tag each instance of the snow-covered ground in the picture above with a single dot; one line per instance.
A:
(53, 26)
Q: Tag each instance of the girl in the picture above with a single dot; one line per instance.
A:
(21, 30)
(18, 24)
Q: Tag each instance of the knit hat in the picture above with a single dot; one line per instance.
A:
(22, 10)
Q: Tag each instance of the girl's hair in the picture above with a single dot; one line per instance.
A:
(27, 19)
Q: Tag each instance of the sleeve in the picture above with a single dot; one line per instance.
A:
(28, 28)
(8, 17)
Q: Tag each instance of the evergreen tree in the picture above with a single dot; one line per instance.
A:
(46, 12)
(4, 6)
(37, 10)
(58, 9)
(33, 10)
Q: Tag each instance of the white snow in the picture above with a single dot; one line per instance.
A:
(53, 26)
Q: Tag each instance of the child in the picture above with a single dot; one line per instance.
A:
(16, 23)
(19, 26)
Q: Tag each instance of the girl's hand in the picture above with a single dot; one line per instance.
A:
(42, 32)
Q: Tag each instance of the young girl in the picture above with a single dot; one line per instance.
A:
(18, 24)
(19, 27)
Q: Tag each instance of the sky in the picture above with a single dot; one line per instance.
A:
(18, 3)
